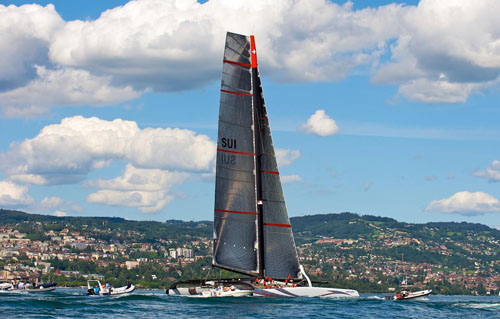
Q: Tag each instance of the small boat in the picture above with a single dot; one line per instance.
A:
(51, 286)
(94, 288)
(6, 287)
(406, 295)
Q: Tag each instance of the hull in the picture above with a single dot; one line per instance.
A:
(116, 291)
(213, 293)
(413, 295)
(334, 293)
(41, 289)
(120, 291)
(205, 292)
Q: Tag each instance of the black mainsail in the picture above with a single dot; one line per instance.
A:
(252, 231)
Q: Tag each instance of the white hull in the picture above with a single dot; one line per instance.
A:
(207, 292)
(212, 293)
(334, 293)
(414, 295)
(306, 292)
(41, 289)
(119, 291)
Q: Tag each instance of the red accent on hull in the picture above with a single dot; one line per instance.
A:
(246, 65)
(253, 51)
(237, 93)
(234, 152)
(235, 212)
(278, 225)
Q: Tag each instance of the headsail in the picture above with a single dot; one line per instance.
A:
(252, 232)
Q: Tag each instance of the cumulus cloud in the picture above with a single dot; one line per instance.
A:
(62, 87)
(320, 124)
(57, 204)
(492, 172)
(286, 157)
(26, 33)
(65, 153)
(176, 45)
(13, 195)
(50, 203)
(435, 59)
(285, 179)
(146, 189)
(466, 203)
(59, 213)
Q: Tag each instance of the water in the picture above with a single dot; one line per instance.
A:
(72, 303)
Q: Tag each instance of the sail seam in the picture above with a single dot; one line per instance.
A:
(234, 212)
(237, 93)
(234, 152)
(236, 180)
(231, 123)
(246, 65)
(271, 172)
(278, 225)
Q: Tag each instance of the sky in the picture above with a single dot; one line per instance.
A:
(388, 108)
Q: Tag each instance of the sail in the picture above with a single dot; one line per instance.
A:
(235, 213)
(252, 231)
(280, 254)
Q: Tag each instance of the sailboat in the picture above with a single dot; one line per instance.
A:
(252, 231)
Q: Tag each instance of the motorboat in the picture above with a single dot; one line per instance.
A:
(406, 294)
(95, 288)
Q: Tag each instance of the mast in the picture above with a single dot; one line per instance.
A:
(256, 103)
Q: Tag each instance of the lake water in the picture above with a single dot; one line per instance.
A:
(72, 303)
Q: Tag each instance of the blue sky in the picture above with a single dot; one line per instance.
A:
(377, 107)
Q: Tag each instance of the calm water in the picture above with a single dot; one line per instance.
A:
(72, 303)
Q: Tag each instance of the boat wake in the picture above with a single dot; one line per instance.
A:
(486, 306)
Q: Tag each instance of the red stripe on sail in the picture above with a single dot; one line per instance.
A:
(263, 119)
(271, 172)
(246, 65)
(253, 51)
(235, 212)
(234, 152)
(278, 225)
(237, 93)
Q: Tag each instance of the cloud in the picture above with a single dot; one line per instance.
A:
(57, 204)
(49, 203)
(46, 159)
(146, 189)
(59, 213)
(26, 33)
(286, 157)
(176, 45)
(492, 173)
(437, 60)
(466, 203)
(320, 124)
(285, 179)
(13, 195)
(62, 87)
(367, 185)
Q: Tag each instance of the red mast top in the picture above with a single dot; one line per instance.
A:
(253, 51)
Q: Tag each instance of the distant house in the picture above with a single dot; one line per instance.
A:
(131, 264)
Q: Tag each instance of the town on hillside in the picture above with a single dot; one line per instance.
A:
(369, 254)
